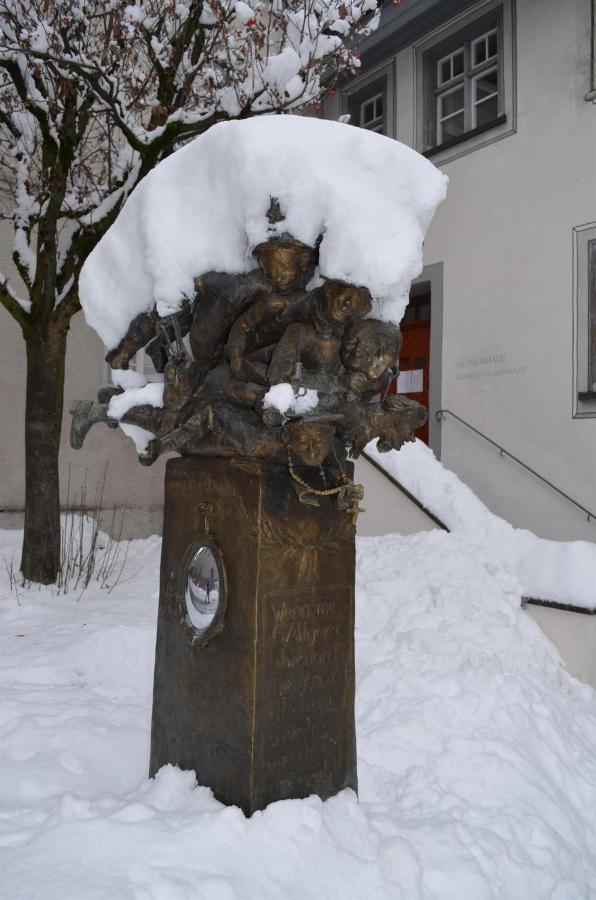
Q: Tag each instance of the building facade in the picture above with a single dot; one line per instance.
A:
(501, 328)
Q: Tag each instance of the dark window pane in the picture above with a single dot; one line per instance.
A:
(424, 310)
(486, 85)
(378, 107)
(487, 112)
(493, 45)
(458, 63)
(479, 52)
(368, 112)
(452, 128)
(445, 71)
(451, 103)
(405, 363)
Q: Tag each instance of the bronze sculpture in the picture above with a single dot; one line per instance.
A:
(249, 333)
(369, 352)
(260, 515)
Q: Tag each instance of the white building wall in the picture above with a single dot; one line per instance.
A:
(504, 236)
(386, 510)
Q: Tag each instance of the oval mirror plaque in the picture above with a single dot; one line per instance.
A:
(204, 589)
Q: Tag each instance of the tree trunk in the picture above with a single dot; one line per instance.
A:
(46, 350)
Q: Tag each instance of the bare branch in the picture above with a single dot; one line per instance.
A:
(12, 69)
(14, 306)
(22, 268)
(67, 307)
(92, 98)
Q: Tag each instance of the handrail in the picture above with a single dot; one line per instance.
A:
(440, 413)
(526, 601)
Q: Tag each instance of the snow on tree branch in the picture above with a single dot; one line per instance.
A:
(16, 306)
(94, 92)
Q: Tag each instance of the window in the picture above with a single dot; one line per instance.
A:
(369, 101)
(371, 114)
(464, 90)
(585, 327)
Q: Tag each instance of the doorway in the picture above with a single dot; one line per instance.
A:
(414, 357)
(420, 359)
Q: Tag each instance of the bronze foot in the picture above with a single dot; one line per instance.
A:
(85, 414)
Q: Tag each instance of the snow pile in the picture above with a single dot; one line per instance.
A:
(137, 392)
(128, 378)
(551, 570)
(204, 208)
(476, 751)
(148, 394)
(282, 398)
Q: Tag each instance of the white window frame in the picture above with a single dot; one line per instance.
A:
(428, 86)
(358, 88)
(378, 120)
(475, 102)
(441, 119)
(483, 37)
(466, 81)
(450, 57)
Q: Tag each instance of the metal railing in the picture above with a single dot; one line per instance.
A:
(441, 413)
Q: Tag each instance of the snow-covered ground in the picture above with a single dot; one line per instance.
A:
(563, 571)
(477, 752)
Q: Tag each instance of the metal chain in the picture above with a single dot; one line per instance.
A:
(327, 492)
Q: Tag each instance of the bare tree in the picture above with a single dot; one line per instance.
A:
(93, 94)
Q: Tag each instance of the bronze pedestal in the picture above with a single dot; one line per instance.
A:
(254, 673)
(261, 705)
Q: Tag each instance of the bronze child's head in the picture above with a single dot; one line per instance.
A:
(340, 301)
(288, 263)
(309, 440)
(399, 419)
(371, 347)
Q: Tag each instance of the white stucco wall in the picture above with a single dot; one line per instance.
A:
(504, 236)
(508, 283)
(574, 636)
(386, 509)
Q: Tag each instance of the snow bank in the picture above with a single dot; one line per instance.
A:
(204, 208)
(552, 570)
(476, 751)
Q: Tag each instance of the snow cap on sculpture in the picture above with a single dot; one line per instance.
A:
(204, 208)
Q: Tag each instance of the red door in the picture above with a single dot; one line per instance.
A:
(414, 358)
